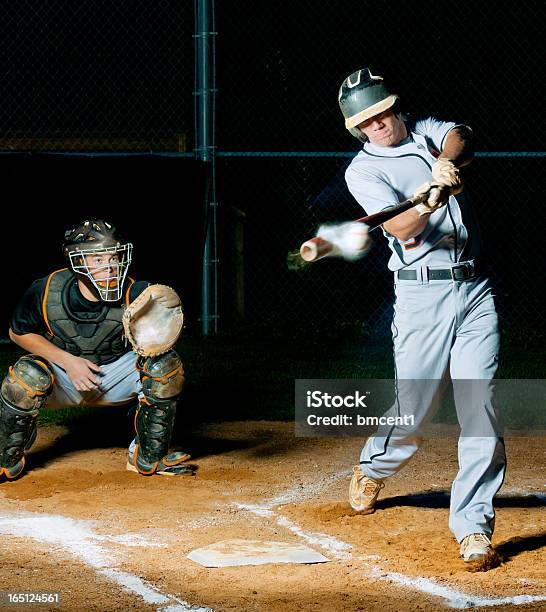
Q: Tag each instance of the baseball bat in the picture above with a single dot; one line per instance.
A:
(317, 248)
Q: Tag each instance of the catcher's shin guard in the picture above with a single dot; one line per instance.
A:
(162, 381)
(23, 392)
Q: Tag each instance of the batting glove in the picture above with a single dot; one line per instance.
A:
(446, 174)
(435, 199)
(445, 182)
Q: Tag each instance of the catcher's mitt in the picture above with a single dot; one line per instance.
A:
(153, 322)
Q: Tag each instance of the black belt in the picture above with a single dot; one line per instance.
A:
(460, 272)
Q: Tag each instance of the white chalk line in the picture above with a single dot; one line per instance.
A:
(303, 492)
(81, 541)
(341, 551)
(78, 538)
(454, 599)
(299, 492)
(336, 548)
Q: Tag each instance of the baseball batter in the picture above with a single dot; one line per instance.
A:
(70, 322)
(445, 322)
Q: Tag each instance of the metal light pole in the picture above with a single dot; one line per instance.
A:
(205, 82)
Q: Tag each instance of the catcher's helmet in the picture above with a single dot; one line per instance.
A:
(362, 96)
(91, 238)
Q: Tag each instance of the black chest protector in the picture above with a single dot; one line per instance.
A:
(97, 337)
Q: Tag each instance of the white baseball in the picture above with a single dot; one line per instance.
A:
(356, 237)
(350, 239)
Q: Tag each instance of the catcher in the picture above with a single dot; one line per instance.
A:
(72, 324)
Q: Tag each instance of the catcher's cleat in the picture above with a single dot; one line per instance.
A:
(170, 465)
(363, 491)
(476, 548)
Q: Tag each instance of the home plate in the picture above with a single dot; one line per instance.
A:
(229, 553)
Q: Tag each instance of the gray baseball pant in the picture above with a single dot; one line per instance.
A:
(443, 328)
(119, 385)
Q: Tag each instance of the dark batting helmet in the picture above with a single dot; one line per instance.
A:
(362, 96)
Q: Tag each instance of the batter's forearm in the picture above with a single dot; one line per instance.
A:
(38, 345)
(459, 146)
(407, 225)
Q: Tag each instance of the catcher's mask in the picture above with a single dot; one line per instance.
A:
(94, 250)
(362, 96)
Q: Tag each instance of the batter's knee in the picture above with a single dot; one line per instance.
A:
(27, 383)
(162, 376)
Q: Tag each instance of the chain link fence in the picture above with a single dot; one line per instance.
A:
(304, 192)
(119, 77)
(96, 75)
(468, 63)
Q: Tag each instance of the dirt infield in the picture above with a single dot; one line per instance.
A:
(108, 539)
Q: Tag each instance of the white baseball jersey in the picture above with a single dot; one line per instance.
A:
(381, 177)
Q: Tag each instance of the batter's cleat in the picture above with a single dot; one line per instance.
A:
(170, 465)
(476, 548)
(363, 491)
